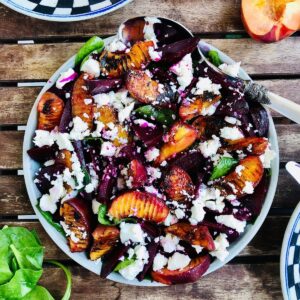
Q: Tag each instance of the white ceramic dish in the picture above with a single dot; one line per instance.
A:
(30, 168)
(64, 10)
(290, 258)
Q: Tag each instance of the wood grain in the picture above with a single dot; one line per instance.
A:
(256, 281)
(40, 61)
(16, 102)
(265, 243)
(11, 145)
(14, 200)
(199, 16)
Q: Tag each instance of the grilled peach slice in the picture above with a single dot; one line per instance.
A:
(177, 184)
(250, 173)
(79, 107)
(105, 237)
(141, 87)
(254, 145)
(195, 235)
(77, 216)
(50, 109)
(138, 173)
(106, 114)
(139, 204)
(180, 137)
(192, 272)
(114, 65)
(190, 109)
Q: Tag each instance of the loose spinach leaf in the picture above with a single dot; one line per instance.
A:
(104, 220)
(223, 167)
(5, 258)
(123, 264)
(38, 293)
(49, 218)
(214, 57)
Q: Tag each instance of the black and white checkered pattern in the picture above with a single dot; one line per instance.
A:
(292, 265)
(65, 7)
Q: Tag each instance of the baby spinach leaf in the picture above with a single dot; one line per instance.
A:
(38, 293)
(223, 167)
(102, 215)
(214, 57)
(123, 264)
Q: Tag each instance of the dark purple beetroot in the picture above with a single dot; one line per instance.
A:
(242, 214)
(66, 118)
(254, 202)
(42, 154)
(152, 250)
(150, 135)
(129, 152)
(260, 119)
(164, 76)
(189, 162)
(107, 183)
(173, 53)
(44, 183)
(99, 86)
(151, 229)
(189, 249)
(110, 261)
(247, 127)
(79, 149)
(61, 93)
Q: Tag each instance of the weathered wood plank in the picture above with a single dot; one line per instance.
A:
(11, 145)
(16, 102)
(199, 16)
(256, 281)
(40, 61)
(14, 200)
(265, 243)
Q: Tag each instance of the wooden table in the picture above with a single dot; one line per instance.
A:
(254, 274)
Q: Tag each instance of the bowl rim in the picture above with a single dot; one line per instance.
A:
(235, 248)
(64, 18)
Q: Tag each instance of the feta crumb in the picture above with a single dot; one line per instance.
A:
(170, 220)
(91, 66)
(198, 212)
(169, 243)
(148, 30)
(80, 129)
(232, 69)
(154, 173)
(49, 163)
(89, 188)
(95, 206)
(204, 84)
(102, 99)
(63, 141)
(154, 55)
(221, 244)
(179, 213)
(210, 147)
(239, 169)
(232, 222)
(131, 232)
(231, 120)
(43, 138)
(131, 271)
(159, 262)
(124, 113)
(108, 149)
(267, 157)
(248, 188)
(197, 248)
(88, 101)
(116, 46)
(65, 77)
(151, 154)
(231, 133)
(48, 204)
(178, 261)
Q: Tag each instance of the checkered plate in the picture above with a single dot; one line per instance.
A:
(290, 258)
(64, 10)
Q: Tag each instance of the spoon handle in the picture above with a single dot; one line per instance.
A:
(285, 107)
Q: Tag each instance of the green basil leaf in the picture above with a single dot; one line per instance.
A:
(163, 116)
(123, 264)
(68, 274)
(102, 215)
(223, 167)
(214, 57)
(38, 293)
(94, 43)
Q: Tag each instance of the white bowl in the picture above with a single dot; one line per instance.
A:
(30, 167)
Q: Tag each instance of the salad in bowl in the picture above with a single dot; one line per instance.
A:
(148, 162)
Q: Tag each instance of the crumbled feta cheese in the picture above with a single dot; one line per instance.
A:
(95, 206)
(232, 120)
(169, 243)
(210, 110)
(248, 188)
(231, 133)
(170, 219)
(77, 171)
(130, 253)
(108, 149)
(198, 212)
(159, 262)
(65, 77)
(88, 101)
(232, 222)
(239, 169)
(102, 99)
(178, 261)
(63, 141)
(180, 214)
(221, 244)
(131, 271)
(151, 154)
(154, 173)
(204, 84)
(89, 188)
(210, 147)
(197, 248)
(47, 204)
(80, 129)
(116, 46)
(232, 69)
(49, 163)
(184, 71)
(131, 232)
(43, 138)
(91, 66)
(154, 55)
(148, 30)
(267, 157)
(141, 253)
(124, 113)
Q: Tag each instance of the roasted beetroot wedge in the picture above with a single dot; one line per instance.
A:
(178, 185)
(180, 137)
(138, 173)
(50, 109)
(42, 154)
(192, 272)
(195, 235)
(77, 215)
(104, 239)
(140, 205)
(79, 107)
